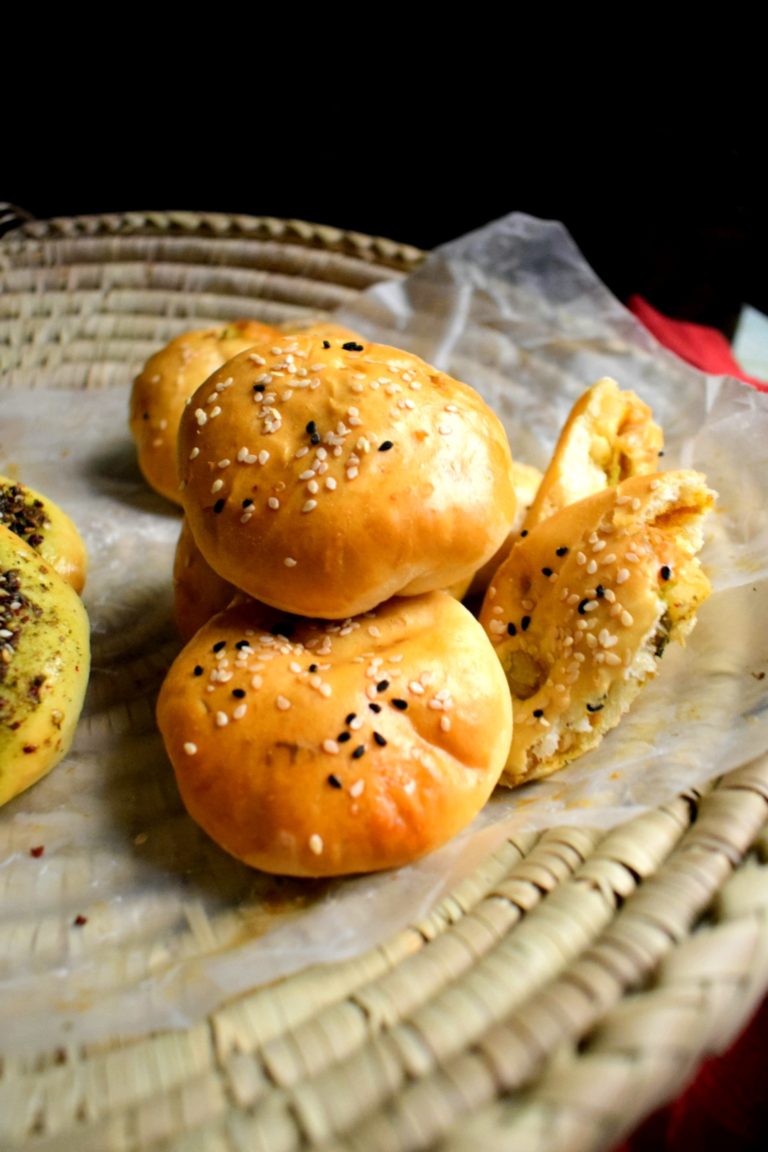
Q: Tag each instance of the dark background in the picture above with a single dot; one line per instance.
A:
(670, 208)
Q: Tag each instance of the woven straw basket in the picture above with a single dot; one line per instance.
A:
(571, 985)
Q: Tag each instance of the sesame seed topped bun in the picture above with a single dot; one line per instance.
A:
(325, 476)
(609, 436)
(581, 610)
(312, 748)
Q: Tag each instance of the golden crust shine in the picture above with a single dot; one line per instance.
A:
(318, 749)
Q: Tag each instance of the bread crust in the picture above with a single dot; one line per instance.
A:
(609, 436)
(320, 749)
(45, 527)
(198, 591)
(44, 665)
(327, 476)
(580, 612)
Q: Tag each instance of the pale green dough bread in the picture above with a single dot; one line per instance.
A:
(44, 665)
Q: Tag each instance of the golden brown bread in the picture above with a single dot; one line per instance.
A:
(582, 608)
(44, 663)
(166, 382)
(46, 528)
(199, 592)
(327, 476)
(609, 436)
(319, 749)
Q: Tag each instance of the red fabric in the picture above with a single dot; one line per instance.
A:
(705, 348)
(725, 1109)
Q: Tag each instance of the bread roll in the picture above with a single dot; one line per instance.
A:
(199, 592)
(46, 528)
(44, 664)
(609, 436)
(324, 477)
(319, 749)
(165, 384)
(581, 610)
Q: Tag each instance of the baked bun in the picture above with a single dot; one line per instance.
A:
(44, 663)
(165, 384)
(198, 591)
(45, 527)
(320, 749)
(525, 480)
(609, 436)
(328, 476)
(582, 608)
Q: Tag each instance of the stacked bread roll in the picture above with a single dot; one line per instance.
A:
(346, 713)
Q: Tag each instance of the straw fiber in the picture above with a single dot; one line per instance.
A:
(573, 983)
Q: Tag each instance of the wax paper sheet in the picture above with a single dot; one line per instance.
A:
(173, 927)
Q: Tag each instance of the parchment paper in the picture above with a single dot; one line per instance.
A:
(174, 927)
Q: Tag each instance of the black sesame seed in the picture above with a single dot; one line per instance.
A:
(538, 713)
(219, 645)
(351, 346)
(238, 693)
(666, 572)
(343, 737)
(525, 622)
(259, 387)
(313, 667)
(661, 452)
(358, 752)
(382, 685)
(379, 739)
(561, 551)
(546, 571)
(583, 605)
(314, 438)
(595, 707)
(326, 343)
(524, 532)
(334, 781)
(600, 592)
(375, 707)
(247, 504)
(311, 427)
(242, 644)
(385, 446)
(219, 506)
(198, 670)
(512, 629)
(398, 703)
(349, 718)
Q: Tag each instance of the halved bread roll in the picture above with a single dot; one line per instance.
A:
(581, 610)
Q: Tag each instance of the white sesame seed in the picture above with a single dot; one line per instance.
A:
(497, 627)
(636, 502)
(201, 417)
(330, 483)
(580, 558)
(609, 559)
(217, 486)
(316, 844)
(282, 703)
(300, 452)
(190, 748)
(330, 746)
(215, 412)
(256, 681)
(325, 690)
(632, 557)
(240, 711)
(263, 456)
(613, 659)
(527, 605)
(592, 567)
(598, 545)
(309, 505)
(212, 398)
(357, 788)
(290, 562)
(609, 595)
(273, 503)
(627, 619)
(416, 687)
(254, 356)
(222, 719)
(374, 631)
(194, 454)
(445, 723)
(351, 473)
(356, 722)
(246, 516)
